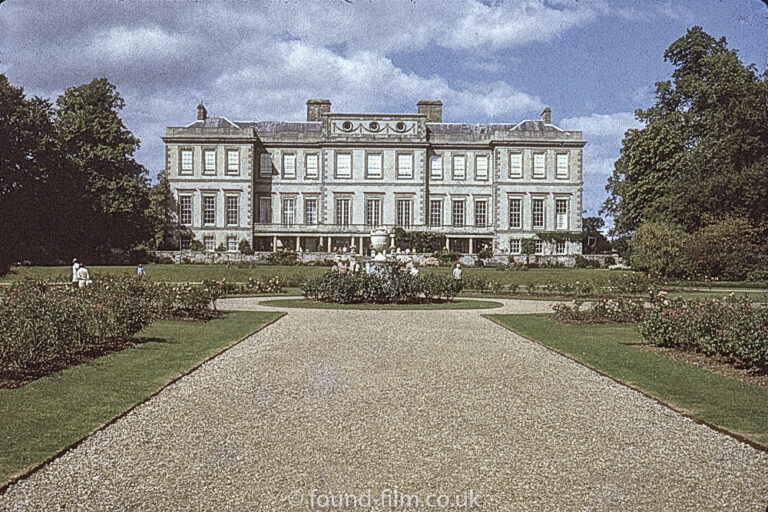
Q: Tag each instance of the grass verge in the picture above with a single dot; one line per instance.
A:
(50, 414)
(456, 304)
(723, 402)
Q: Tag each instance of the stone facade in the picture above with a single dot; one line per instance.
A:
(328, 181)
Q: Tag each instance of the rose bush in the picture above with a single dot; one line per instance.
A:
(389, 285)
(733, 327)
(617, 310)
(39, 323)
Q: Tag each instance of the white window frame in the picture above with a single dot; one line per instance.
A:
(347, 170)
(232, 213)
(436, 213)
(209, 246)
(186, 161)
(310, 214)
(560, 247)
(455, 214)
(539, 165)
(312, 165)
(289, 166)
(538, 247)
(463, 167)
(515, 246)
(436, 167)
(209, 164)
(403, 212)
(205, 210)
(233, 161)
(374, 171)
(343, 211)
(265, 165)
(484, 203)
(232, 243)
(562, 163)
(516, 164)
(538, 215)
(185, 241)
(373, 213)
(481, 171)
(185, 211)
(404, 165)
(561, 214)
(516, 215)
(288, 211)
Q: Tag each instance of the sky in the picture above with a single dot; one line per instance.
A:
(593, 62)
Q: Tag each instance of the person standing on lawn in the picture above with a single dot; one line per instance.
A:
(140, 271)
(83, 276)
(75, 267)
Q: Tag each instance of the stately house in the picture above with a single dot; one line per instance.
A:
(329, 181)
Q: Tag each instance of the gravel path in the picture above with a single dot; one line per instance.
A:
(398, 405)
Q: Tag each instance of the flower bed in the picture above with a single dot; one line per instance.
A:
(389, 286)
(618, 310)
(41, 323)
(733, 327)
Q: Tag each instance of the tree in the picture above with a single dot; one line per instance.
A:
(729, 248)
(592, 239)
(659, 248)
(160, 203)
(528, 247)
(703, 151)
(115, 193)
(34, 183)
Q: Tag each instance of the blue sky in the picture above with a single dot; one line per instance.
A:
(592, 61)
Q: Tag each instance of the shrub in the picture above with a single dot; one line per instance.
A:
(389, 284)
(221, 248)
(432, 262)
(196, 245)
(660, 249)
(727, 249)
(245, 247)
(609, 260)
(758, 275)
(282, 258)
(732, 327)
(446, 256)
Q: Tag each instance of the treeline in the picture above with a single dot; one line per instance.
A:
(691, 187)
(69, 185)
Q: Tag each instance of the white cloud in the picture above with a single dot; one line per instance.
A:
(126, 45)
(604, 126)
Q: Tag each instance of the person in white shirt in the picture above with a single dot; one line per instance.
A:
(83, 276)
(75, 266)
(457, 272)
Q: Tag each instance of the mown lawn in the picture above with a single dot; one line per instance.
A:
(612, 349)
(49, 414)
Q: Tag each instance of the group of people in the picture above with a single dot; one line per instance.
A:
(82, 278)
(80, 275)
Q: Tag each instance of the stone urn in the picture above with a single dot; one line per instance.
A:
(379, 239)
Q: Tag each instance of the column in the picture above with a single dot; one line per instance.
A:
(328, 247)
(274, 243)
(447, 244)
(471, 240)
(298, 243)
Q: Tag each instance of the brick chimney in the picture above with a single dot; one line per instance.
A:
(202, 114)
(316, 108)
(433, 109)
(546, 116)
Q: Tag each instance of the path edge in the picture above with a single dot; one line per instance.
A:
(37, 467)
(736, 435)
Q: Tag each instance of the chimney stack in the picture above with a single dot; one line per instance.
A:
(433, 109)
(202, 114)
(316, 108)
(546, 116)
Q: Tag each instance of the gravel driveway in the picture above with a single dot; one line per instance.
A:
(379, 409)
